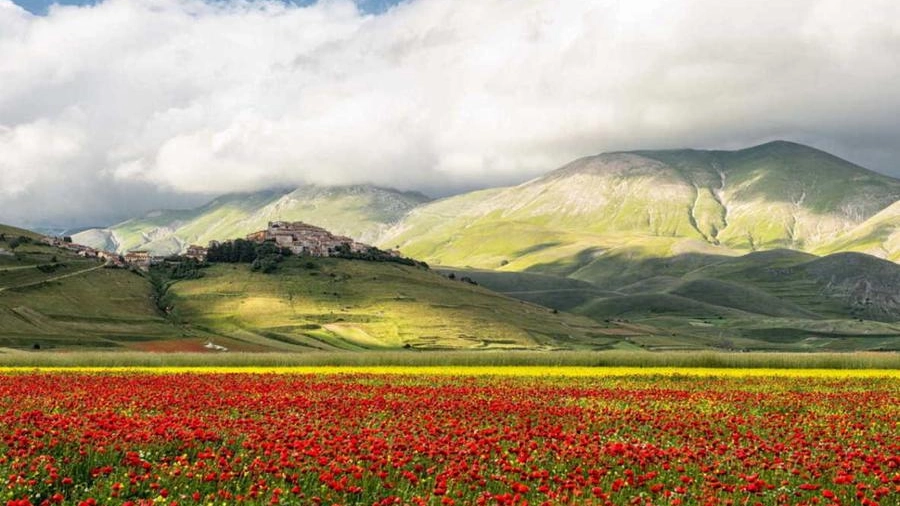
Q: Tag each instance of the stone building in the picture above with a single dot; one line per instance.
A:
(305, 239)
(138, 258)
(198, 253)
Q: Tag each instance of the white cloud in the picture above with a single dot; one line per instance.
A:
(186, 97)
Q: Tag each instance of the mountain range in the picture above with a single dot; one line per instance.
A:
(658, 204)
(642, 204)
(775, 247)
(362, 212)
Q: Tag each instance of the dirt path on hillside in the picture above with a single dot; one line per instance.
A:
(18, 268)
(55, 278)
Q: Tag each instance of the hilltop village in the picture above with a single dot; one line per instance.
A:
(304, 239)
(298, 237)
(140, 259)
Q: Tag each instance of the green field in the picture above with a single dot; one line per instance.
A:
(311, 304)
(51, 298)
(777, 300)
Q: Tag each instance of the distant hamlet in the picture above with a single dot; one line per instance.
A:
(304, 239)
(287, 238)
(266, 247)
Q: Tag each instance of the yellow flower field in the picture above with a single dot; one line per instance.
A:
(508, 371)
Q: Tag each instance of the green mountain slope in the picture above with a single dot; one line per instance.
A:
(362, 212)
(771, 300)
(328, 303)
(12, 232)
(52, 298)
(878, 236)
(650, 204)
(624, 205)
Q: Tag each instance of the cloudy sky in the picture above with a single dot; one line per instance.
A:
(111, 108)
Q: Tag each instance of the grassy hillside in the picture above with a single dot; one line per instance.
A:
(550, 291)
(773, 300)
(50, 298)
(878, 236)
(604, 212)
(361, 212)
(342, 304)
(777, 300)
(12, 232)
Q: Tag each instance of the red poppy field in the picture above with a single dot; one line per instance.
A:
(188, 438)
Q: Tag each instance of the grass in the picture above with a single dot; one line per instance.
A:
(333, 304)
(76, 304)
(410, 358)
(12, 232)
(879, 235)
(768, 301)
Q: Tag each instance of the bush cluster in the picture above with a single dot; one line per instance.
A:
(263, 257)
(18, 241)
(373, 254)
(184, 268)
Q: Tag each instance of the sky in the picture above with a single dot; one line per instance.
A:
(109, 109)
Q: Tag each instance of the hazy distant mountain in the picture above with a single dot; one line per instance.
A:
(651, 204)
(362, 212)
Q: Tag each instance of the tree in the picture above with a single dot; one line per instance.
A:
(18, 241)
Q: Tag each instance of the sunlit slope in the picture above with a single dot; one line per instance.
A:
(74, 303)
(650, 204)
(783, 194)
(878, 236)
(361, 212)
(332, 303)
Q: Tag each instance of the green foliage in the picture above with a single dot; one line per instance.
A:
(263, 257)
(266, 264)
(19, 241)
(187, 268)
(235, 251)
(49, 268)
(373, 254)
